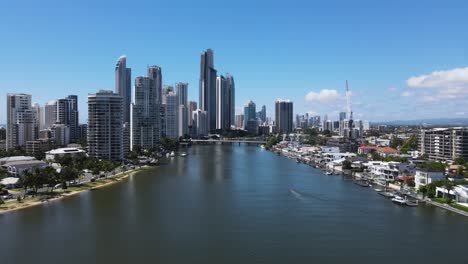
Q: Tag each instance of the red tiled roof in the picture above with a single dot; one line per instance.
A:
(388, 150)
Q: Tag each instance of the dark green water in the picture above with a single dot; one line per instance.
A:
(232, 204)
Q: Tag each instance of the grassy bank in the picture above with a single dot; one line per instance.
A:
(459, 207)
(29, 201)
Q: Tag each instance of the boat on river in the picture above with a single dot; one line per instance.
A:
(362, 183)
(399, 200)
(386, 194)
(183, 154)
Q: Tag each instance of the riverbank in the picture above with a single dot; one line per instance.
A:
(56, 195)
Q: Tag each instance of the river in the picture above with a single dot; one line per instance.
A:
(232, 204)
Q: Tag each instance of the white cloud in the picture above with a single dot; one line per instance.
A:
(324, 95)
(406, 94)
(453, 78)
(440, 85)
(392, 89)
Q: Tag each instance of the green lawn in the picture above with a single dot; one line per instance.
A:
(458, 206)
(441, 200)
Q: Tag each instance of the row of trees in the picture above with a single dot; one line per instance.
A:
(39, 177)
(81, 162)
(429, 190)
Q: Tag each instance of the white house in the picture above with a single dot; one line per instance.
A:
(426, 176)
(389, 170)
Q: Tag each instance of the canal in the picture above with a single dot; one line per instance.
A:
(232, 204)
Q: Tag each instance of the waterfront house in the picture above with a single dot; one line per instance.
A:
(388, 171)
(425, 176)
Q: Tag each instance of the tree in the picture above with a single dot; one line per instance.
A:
(68, 174)
(423, 189)
(327, 133)
(459, 161)
(347, 165)
(448, 186)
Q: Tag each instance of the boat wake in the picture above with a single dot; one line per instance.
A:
(296, 194)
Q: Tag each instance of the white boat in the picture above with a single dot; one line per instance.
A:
(172, 154)
(167, 155)
(183, 154)
(329, 173)
(399, 200)
(412, 203)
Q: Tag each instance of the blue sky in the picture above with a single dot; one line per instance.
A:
(403, 59)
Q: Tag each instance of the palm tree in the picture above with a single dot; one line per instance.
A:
(448, 186)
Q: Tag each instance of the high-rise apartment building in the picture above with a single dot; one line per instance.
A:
(123, 80)
(182, 121)
(50, 114)
(284, 116)
(39, 112)
(250, 120)
(171, 116)
(192, 106)
(21, 121)
(239, 122)
(342, 116)
(223, 104)
(231, 94)
(155, 73)
(442, 144)
(182, 90)
(207, 93)
(144, 131)
(200, 122)
(67, 114)
(105, 122)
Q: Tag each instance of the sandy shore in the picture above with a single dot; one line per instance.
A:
(99, 184)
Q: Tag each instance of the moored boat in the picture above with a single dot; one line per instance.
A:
(386, 194)
(399, 200)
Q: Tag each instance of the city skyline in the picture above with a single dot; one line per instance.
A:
(407, 63)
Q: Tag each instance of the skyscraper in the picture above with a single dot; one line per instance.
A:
(262, 114)
(165, 91)
(342, 116)
(21, 120)
(250, 120)
(207, 96)
(182, 121)
(145, 115)
(183, 112)
(105, 122)
(123, 79)
(67, 114)
(171, 116)
(50, 114)
(231, 94)
(155, 73)
(200, 122)
(182, 90)
(249, 112)
(192, 107)
(284, 116)
(39, 112)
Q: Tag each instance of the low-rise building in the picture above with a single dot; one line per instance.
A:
(18, 168)
(15, 158)
(52, 154)
(389, 170)
(426, 176)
